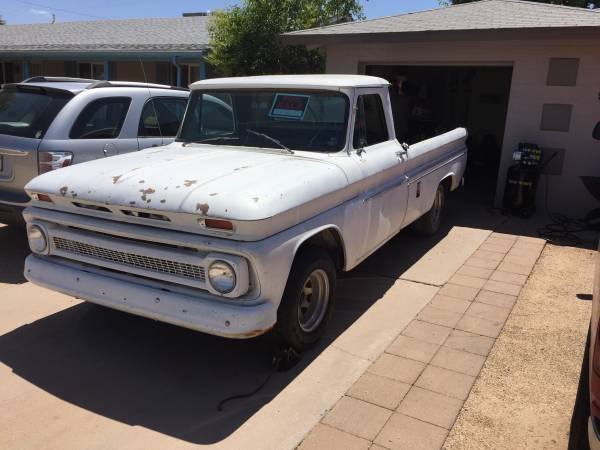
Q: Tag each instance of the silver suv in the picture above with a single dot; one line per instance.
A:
(47, 123)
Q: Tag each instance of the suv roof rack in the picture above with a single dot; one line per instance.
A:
(41, 79)
(103, 84)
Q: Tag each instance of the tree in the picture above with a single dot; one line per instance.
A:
(246, 39)
(579, 3)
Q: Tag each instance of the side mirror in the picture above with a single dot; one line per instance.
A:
(596, 132)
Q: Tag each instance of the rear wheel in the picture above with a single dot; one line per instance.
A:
(307, 301)
(429, 223)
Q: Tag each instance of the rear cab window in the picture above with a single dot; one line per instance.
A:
(101, 119)
(370, 126)
(28, 111)
(161, 117)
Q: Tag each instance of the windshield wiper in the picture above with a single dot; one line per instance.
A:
(213, 139)
(269, 138)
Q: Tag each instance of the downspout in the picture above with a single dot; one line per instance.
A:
(203, 66)
(26, 68)
(178, 69)
(106, 71)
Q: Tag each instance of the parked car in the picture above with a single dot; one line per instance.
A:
(240, 225)
(48, 123)
(585, 422)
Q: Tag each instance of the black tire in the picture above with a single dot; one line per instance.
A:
(429, 224)
(291, 329)
(578, 434)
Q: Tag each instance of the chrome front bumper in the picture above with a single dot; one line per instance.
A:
(194, 312)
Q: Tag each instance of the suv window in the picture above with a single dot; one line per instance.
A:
(370, 127)
(101, 119)
(27, 112)
(166, 112)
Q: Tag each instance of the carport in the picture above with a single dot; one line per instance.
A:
(510, 71)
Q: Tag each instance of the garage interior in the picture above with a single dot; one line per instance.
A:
(436, 99)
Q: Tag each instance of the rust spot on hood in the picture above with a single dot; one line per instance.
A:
(117, 178)
(203, 208)
(63, 190)
(146, 192)
(188, 183)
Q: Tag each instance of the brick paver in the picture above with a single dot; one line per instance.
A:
(411, 395)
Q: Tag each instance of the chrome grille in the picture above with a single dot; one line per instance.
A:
(129, 259)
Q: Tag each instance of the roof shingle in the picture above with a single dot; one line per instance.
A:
(481, 15)
(166, 34)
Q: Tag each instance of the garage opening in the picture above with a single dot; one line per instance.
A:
(430, 100)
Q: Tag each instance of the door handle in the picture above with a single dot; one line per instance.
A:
(11, 152)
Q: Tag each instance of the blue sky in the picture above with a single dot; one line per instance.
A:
(26, 11)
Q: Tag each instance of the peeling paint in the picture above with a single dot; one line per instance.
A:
(146, 192)
(202, 207)
(188, 183)
(116, 179)
(213, 194)
(63, 190)
(142, 181)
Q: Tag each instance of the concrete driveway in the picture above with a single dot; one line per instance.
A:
(76, 375)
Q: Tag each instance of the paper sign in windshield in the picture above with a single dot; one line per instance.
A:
(289, 106)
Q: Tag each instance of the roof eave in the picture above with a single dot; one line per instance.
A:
(581, 32)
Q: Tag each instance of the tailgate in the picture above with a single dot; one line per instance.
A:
(18, 165)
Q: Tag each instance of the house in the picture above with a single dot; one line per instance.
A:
(510, 71)
(172, 50)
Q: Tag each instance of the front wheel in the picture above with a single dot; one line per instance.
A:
(308, 299)
(429, 224)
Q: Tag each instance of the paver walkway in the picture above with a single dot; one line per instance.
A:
(411, 395)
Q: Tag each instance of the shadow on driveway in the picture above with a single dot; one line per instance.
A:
(168, 379)
(13, 251)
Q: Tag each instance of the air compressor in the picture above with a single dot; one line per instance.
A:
(522, 180)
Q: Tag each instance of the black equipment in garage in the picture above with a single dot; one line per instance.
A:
(522, 180)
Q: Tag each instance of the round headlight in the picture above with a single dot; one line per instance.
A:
(222, 277)
(37, 239)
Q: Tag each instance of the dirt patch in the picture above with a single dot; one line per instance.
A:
(525, 394)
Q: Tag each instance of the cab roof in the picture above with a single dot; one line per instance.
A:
(325, 82)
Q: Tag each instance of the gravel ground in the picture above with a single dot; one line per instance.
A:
(525, 393)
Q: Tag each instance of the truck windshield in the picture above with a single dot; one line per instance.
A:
(29, 112)
(290, 120)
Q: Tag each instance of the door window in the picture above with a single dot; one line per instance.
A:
(161, 117)
(101, 119)
(370, 127)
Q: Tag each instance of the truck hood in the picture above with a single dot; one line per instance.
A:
(234, 183)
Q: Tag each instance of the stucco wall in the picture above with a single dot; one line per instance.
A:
(529, 92)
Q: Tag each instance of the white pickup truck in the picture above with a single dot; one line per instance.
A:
(273, 185)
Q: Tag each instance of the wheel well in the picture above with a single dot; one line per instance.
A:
(447, 183)
(331, 241)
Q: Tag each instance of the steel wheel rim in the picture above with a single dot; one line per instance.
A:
(314, 299)
(437, 206)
